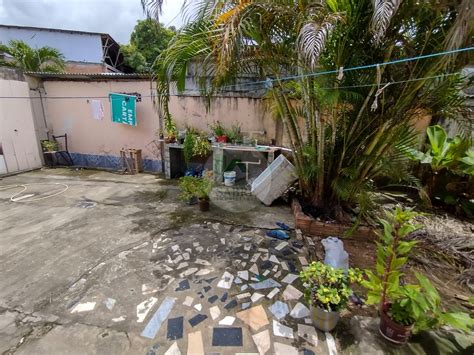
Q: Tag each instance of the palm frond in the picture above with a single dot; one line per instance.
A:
(152, 8)
(312, 41)
(384, 10)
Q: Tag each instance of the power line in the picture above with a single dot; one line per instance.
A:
(324, 88)
(368, 66)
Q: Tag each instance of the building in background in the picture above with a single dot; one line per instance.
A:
(84, 52)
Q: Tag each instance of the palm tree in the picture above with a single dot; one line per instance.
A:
(346, 128)
(30, 59)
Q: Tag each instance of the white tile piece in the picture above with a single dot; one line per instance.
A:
(147, 289)
(281, 246)
(288, 279)
(308, 333)
(331, 343)
(173, 350)
(275, 268)
(199, 249)
(266, 272)
(283, 349)
(281, 330)
(247, 246)
(118, 319)
(243, 288)
(196, 244)
(204, 272)
(227, 320)
(226, 280)
(177, 259)
(188, 272)
(188, 301)
(277, 274)
(215, 312)
(308, 321)
(299, 311)
(198, 307)
(274, 259)
(186, 256)
(182, 265)
(273, 292)
(291, 293)
(262, 341)
(284, 266)
(255, 257)
(223, 241)
(254, 269)
(244, 275)
(110, 303)
(175, 248)
(243, 295)
(144, 307)
(256, 296)
(83, 307)
(303, 261)
(279, 309)
(202, 262)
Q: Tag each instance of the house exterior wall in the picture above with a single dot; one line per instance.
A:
(20, 148)
(98, 142)
(78, 47)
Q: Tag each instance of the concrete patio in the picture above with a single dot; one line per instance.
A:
(118, 265)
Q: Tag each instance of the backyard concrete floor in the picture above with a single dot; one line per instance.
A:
(103, 266)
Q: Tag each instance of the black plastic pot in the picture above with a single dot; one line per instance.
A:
(204, 204)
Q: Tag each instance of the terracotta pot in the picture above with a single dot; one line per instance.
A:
(324, 320)
(169, 140)
(392, 331)
(204, 204)
(221, 139)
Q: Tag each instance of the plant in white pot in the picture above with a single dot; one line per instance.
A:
(327, 290)
(404, 308)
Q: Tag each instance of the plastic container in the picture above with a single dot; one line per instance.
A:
(274, 180)
(229, 178)
(335, 255)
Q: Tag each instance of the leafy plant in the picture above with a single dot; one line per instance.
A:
(195, 145)
(170, 126)
(203, 187)
(408, 304)
(188, 145)
(24, 57)
(328, 287)
(233, 133)
(188, 186)
(450, 169)
(49, 146)
(202, 147)
(217, 128)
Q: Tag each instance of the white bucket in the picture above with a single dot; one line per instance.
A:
(229, 178)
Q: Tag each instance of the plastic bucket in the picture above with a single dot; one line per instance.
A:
(229, 178)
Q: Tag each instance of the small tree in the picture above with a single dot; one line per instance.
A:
(26, 58)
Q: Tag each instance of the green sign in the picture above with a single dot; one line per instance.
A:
(123, 109)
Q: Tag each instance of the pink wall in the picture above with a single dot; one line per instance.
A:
(89, 136)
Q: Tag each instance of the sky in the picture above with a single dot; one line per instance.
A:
(115, 17)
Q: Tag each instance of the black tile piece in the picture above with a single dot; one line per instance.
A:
(212, 299)
(224, 297)
(183, 285)
(151, 352)
(156, 346)
(308, 352)
(227, 337)
(175, 328)
(231, 304)
(292, 267)
(266, 265)
(286, 252)
(207, 288)
(201, 295)
(197, 319)
(297, 244)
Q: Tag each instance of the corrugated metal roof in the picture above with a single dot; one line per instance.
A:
(53, 29)
(88, 76)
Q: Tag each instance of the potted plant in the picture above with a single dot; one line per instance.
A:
(327, 290)
(203, 189)
(233, 133)
(404, 308)
(188, 194)
(195, 145)
(219, 132)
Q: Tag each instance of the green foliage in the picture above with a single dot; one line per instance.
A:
(148, 39)
(233, 133)
(170, 126)
(327, 287)
(449, 175)
(188, 186)
(202, 147)
(195, 145)
(27, 58)
(217, 128)
(49, 146)
(418, 304)
(188, 145)
(342, 132)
